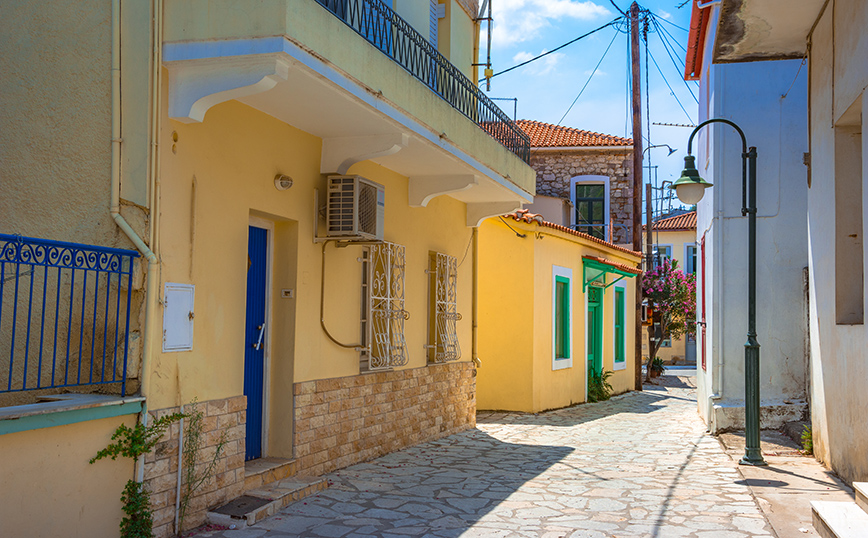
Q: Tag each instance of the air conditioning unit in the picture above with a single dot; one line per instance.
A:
(355, 208)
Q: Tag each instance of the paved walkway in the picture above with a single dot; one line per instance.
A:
(637, 465)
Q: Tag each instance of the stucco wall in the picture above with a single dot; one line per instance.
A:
(515, 328)
(50, 489)
(777, 126)
(839, 368)
(222, 174)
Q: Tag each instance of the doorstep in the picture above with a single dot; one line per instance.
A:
(258, 504)
(263, 471)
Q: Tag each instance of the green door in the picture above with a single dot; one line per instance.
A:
(595, 330)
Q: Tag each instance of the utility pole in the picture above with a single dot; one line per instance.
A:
(637, 180)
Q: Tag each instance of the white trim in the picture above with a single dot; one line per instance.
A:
(615, 364)
(266, 359)
(591, 180)
(687, 257)
(563, 272)
(665, 245)
(281, 53)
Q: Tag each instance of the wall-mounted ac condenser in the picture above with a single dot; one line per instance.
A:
(355, 208)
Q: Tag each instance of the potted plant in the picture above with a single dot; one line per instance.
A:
(657, 367)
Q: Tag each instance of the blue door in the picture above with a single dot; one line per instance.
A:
(255, 331)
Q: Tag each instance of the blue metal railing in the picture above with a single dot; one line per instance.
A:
(64, 314)
(397, 39)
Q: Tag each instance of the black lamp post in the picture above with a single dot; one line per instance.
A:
(690, 188)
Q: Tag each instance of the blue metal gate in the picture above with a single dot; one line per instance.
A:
(255, 331)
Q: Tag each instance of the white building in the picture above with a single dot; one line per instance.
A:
(768, 100)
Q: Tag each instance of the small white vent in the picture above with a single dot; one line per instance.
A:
(355, 208)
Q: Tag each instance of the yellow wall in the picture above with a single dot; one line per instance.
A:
(48, 487)
(232, 158)
(515, 318)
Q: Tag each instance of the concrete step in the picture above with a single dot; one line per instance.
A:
(264, 471)
(861, 489)
(839, 519)
(258, 504)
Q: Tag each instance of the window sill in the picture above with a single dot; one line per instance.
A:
(63, 409)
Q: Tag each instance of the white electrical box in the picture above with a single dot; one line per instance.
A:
(178, 317)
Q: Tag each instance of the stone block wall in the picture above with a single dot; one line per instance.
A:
(347, 420)
(555, 169)
(161, 464)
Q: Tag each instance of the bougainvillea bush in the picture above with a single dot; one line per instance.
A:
(672, 296)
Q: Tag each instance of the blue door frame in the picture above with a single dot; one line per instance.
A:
(254, 339)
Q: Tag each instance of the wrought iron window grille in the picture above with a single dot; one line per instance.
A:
(64, 314)
(397, 39)
(445, 346)
(383, 302)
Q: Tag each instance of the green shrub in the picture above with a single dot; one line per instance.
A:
(599, 388)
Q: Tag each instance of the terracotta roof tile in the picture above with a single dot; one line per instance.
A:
(686, 221)
(616, 265)
(546, 135)
(522, 215)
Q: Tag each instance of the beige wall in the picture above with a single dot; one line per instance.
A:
(515, 318)
(48, 487)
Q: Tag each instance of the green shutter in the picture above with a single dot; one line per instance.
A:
(620, 343)
(562, 317)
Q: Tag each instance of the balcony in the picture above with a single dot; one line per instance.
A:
(358, 76)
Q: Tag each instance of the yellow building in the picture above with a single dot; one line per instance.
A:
(554, 304)
(675, 238)
(292, 191)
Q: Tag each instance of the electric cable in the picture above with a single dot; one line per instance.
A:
(678, 68)
(675, 25)
(614, 5)
(589, 78)
(672, 92)
(611, 23)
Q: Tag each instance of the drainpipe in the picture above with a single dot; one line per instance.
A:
(700, 5)
(114, 209)
(475, 315)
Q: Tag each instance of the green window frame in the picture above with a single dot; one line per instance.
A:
(562, 317)
(620, 333)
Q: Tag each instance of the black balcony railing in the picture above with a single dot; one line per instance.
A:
(398, 40)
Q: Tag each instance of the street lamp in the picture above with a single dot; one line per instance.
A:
(690, 188)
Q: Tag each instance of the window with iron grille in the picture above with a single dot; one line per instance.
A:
(443, 316)
(383, 313)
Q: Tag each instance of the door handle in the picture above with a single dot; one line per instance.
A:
(258, 343)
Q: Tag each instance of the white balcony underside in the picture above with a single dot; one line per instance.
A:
(277, 77)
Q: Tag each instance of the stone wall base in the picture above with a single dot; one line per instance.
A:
(347, 420)
(161, 464)
(773, 415)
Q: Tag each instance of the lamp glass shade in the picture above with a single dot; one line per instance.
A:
(690, 193)
(690, 187)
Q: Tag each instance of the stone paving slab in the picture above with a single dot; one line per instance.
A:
(639, 465)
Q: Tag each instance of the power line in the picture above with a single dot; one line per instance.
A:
(675, 25)
(678, 68)
(616, 7)
(589, 78)
(614, 21)
(670, 88)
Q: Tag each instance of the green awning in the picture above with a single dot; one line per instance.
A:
(595, 272)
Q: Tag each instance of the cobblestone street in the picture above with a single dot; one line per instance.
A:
(640, 464)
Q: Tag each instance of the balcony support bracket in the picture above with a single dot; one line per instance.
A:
(339, 154)
(423, 189)
(479, 211)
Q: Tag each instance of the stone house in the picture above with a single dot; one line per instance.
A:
(584, 180)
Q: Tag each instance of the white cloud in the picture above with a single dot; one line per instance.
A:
(516, 21)
(543, 66)
(666, 15)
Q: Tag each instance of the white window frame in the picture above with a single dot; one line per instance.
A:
(622, 365)
(564, 362)
(665, 245)
(688, 257)
(591, 180)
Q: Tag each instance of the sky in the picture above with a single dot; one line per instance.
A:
(545, 88)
